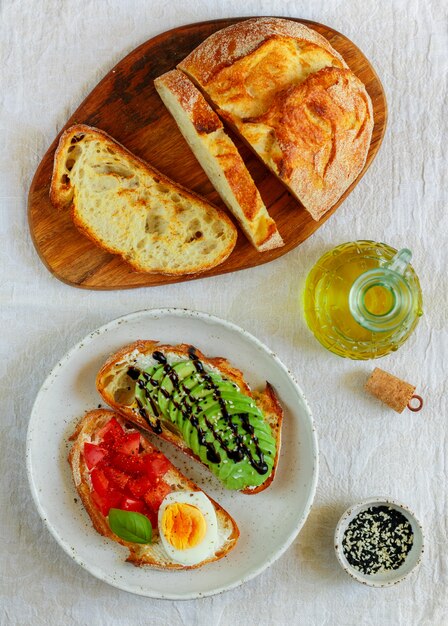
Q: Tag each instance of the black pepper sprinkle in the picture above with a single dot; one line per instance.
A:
(377, 540)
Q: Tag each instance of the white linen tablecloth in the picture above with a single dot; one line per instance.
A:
(53, 54)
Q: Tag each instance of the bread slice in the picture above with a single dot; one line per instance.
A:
(293, 100)
(117, 384)
(152, 554)
(129, 208)
(219, 157)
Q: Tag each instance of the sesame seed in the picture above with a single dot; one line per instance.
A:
(377, 540)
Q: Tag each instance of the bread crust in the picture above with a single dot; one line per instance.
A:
(243, 198)
(323, 129)
(139, 554)
(225, 47)
(293, 100)
(63, 196)
(118, 362)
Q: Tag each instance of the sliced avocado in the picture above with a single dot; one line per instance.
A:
(155, 375)
(182, 397)
(191, 437)
(203, 387)
(234, 406)
(191, 402)
(179, 371)
(192, 396)
(224, 470)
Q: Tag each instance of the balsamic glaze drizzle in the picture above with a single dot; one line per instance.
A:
(155, 425)
(241, 450)
(133, 373)
(186, 409)
(235, 454)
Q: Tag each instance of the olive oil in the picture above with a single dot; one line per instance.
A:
(362, 300)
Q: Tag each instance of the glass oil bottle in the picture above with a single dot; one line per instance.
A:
(363, 299)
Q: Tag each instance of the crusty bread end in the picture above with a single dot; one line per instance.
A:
(294, 101)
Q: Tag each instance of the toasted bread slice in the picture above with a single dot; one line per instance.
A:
(152, 554)
(293, 100)
(129, 208)
(117, 384)
(219, 157)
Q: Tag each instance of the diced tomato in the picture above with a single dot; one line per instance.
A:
(119, 479)
(152, 516)
(121, 476)
(128, 463)
(129, 444)
(100, 482)
(131, 504)
(154, 497)
(111, 431)
(105, 502)
(138, 486)
(156, 466)
(100, 502)
(93, 454)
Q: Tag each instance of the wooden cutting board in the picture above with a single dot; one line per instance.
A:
(126, 105)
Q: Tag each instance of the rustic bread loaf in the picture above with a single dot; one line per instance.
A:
(117, 384)
(152, 554)
(294, 101)
(219, 157)
(322, 129)
(129, 208)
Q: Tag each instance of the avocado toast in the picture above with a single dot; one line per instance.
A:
(202, 405)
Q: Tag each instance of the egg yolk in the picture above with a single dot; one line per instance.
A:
(183, 525)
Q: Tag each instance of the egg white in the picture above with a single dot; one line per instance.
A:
(207, 547)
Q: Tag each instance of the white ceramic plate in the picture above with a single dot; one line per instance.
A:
(268, 521)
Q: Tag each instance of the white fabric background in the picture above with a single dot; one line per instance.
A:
(53, 54)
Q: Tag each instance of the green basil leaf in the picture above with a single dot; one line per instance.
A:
(130, 526)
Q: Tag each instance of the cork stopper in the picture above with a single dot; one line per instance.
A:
(391, 390)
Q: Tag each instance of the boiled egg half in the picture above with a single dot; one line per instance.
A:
(188, 527)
